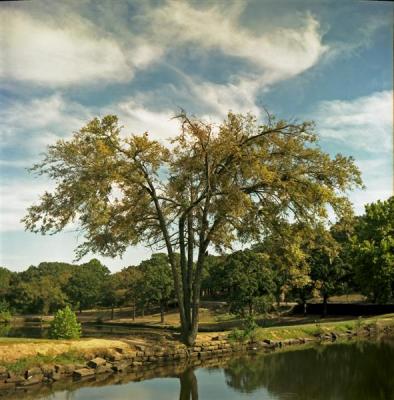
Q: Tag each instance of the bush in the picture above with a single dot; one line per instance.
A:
(65, 325)
(237, 335)
(247, 333)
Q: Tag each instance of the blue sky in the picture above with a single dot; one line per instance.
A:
(64, 62)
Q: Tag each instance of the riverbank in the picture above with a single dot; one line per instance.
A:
(26, 363)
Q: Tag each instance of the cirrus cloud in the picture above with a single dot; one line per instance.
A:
(364, 123)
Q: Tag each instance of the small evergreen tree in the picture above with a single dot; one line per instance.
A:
(65, 325)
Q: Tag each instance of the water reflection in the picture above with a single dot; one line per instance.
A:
(188, 383)
(361, 370)
(354, 370)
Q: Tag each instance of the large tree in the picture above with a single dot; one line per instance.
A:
(211, 186)
(373, 251)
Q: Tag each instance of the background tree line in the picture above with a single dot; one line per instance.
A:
(355, 255)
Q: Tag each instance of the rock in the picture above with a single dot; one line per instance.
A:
(7, 385)
(32, 380)
(3, 373)
(115, 357)
(14, 378)
(96, 362)
(56, 376)
(32, 372)
(136, 363)
(80, 373)
(66, 369)
(120, 366)
(48, 369)
(129, 354)
(103, 369)
(119, 349)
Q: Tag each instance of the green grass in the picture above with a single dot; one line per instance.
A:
(25, 363)
(312, 329)
(5, 341)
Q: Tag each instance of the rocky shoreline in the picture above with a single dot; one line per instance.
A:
(137, 359)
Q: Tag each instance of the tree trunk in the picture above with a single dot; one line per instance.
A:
(250, 309)
(325, 298)
(161, 312)
(305, 307)
(112, 312)
(134, 312)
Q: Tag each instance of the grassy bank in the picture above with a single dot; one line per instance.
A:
(25, 363)
(22, 351)
(311, 330)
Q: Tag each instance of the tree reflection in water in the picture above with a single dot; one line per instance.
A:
(362, 370)
(189, 389)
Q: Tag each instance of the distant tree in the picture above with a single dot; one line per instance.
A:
(285, 249)
(157, 281)
(214, 277)
(65, 325)
(5, 282)
(215, 185)
(250, 281)
(135, 293)
(327, 268)
(5, 312)
(86, 286)
(38, 295)
(112, 295)
(40, 289)
(373, 251)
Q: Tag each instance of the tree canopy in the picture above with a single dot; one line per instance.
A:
(373, 251)
(213, 185)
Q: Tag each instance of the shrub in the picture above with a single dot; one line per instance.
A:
(248, 332)
(237, 335)
(65, 325)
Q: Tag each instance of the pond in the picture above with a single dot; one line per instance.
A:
(361, 370)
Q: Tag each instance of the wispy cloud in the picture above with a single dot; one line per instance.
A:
(61, 51)
(15, 198)
(277, 54)
(32, 124)
(362, 123)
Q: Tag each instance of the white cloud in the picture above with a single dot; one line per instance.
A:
(138, 119)
(15, 198)
(277, 54)
(36, 123)
(220, 98)
(363, 123)
(64, 51)
(269, 57)
(377, 175)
